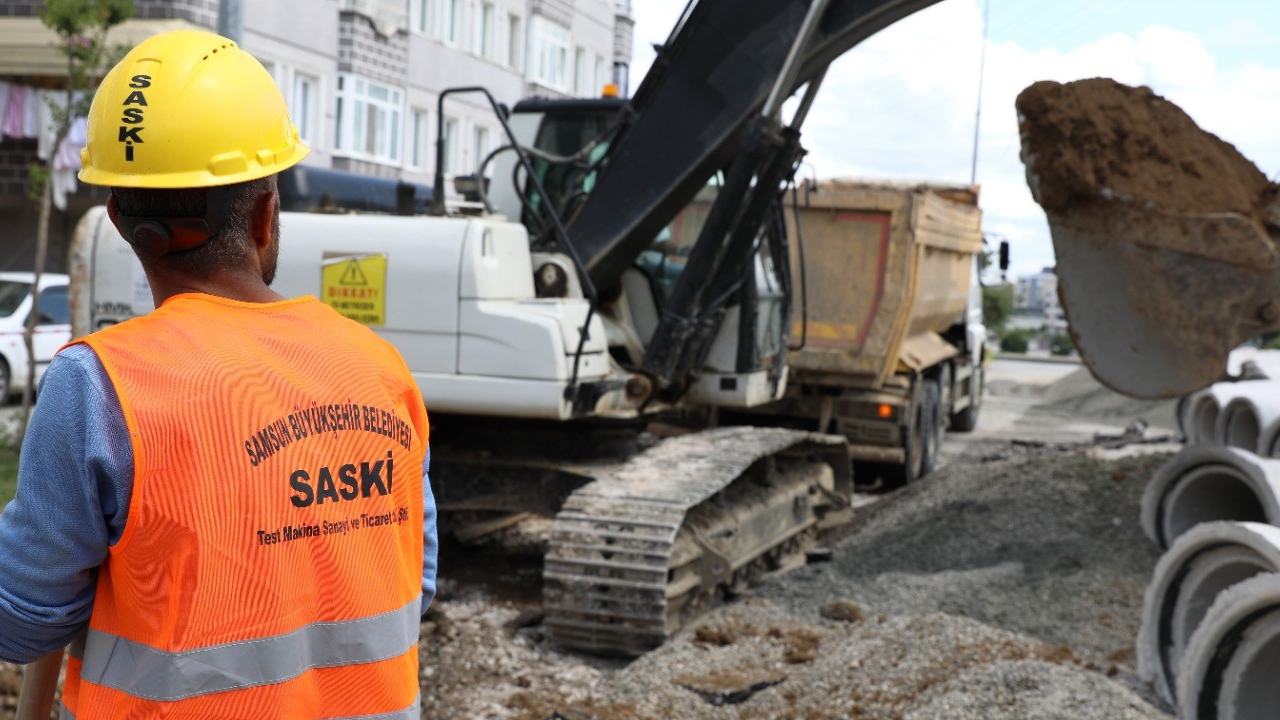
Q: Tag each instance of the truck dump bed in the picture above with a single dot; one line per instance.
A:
(885, 269)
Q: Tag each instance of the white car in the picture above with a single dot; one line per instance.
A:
(53, 329)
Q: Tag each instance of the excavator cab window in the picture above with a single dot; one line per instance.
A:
(664, 260)
(571, 142)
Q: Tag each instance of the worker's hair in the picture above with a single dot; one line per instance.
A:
(230, 247)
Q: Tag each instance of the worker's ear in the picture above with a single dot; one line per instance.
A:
(113, 212)
(263, 219)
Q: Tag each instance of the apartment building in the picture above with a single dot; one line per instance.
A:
(363, 80)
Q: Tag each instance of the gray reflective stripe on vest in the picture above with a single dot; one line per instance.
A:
(146, 672)
(413, 712)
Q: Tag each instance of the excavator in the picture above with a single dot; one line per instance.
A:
(548, 320)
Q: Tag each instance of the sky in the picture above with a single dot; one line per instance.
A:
(903, 104)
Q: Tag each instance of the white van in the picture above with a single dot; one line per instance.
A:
(53, 329)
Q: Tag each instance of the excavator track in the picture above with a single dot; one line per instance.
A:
(636, 553)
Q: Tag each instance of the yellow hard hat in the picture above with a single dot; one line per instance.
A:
(187, 109)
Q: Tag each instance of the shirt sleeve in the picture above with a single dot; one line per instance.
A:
(430, 542)
(75, 477)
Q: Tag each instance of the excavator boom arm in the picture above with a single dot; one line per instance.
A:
(709, 80)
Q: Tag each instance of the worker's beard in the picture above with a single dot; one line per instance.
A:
(273, 251)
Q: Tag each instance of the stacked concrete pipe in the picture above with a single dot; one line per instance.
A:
(1203, 484)
(1252, 422)
(1204, 410)
(1200, 565)
(1231, 665)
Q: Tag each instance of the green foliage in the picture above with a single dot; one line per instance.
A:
(38, 174)
(1015, 341)
(1061, 344)
(81, 26)
(997, 305)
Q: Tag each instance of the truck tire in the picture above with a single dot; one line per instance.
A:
(915, 444)
(932, 432)
(967, 419)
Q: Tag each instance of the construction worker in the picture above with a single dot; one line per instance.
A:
(229, 492)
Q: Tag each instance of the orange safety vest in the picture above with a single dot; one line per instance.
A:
(271, 565)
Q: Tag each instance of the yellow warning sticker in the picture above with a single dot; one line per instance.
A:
(356, 286)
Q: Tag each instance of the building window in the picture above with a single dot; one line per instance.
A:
(487, 29)
(420, 139)
(425, 20)
(602, 78)
(480, 142)
(305, 107)
(549, 53)
(515, 42)
(368, 118)
(580, 84)
(450, 161)
(455, 21)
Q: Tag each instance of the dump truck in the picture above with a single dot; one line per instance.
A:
(887, 336)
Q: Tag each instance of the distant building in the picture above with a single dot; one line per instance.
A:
(1036, 305)
(362, 79)
(1036, 293)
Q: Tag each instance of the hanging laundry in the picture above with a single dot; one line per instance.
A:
(15, 115)
(66, 163)
(4, 104)
(48, 126)
(31, 114)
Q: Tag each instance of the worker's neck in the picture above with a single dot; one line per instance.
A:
(244, 286)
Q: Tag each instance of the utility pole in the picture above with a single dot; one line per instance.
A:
(982, 67)
(231, 20)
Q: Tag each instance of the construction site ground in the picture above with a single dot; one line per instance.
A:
(1007, 584)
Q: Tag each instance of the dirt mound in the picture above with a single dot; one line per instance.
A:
(1079, 395)
(1096, 138)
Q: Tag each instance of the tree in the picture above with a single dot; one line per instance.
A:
(997, 305)
(81, 27)
(1015, 341)
(1061, 344)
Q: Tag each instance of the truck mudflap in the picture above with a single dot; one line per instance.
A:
(637, 553)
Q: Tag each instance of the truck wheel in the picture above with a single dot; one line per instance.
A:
(914, 446)
(967, 419)
(932, 431)
(5, 385)
(946, 398)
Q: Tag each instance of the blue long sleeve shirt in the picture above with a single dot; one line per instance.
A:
(75, 479)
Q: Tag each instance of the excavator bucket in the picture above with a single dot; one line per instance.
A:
(1165, 261)
(1155, 301)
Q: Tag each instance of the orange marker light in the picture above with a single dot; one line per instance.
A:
(610, 91)
(885, 411)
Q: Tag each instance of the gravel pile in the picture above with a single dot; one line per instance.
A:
(1080, 397)
(1005, 586)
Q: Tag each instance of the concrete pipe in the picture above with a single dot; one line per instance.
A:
(1182, 414)
(1202, 484)
(1251, 421)
(1204, 412)
(1232, 661)
(1202, 416)
(1202, 563)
